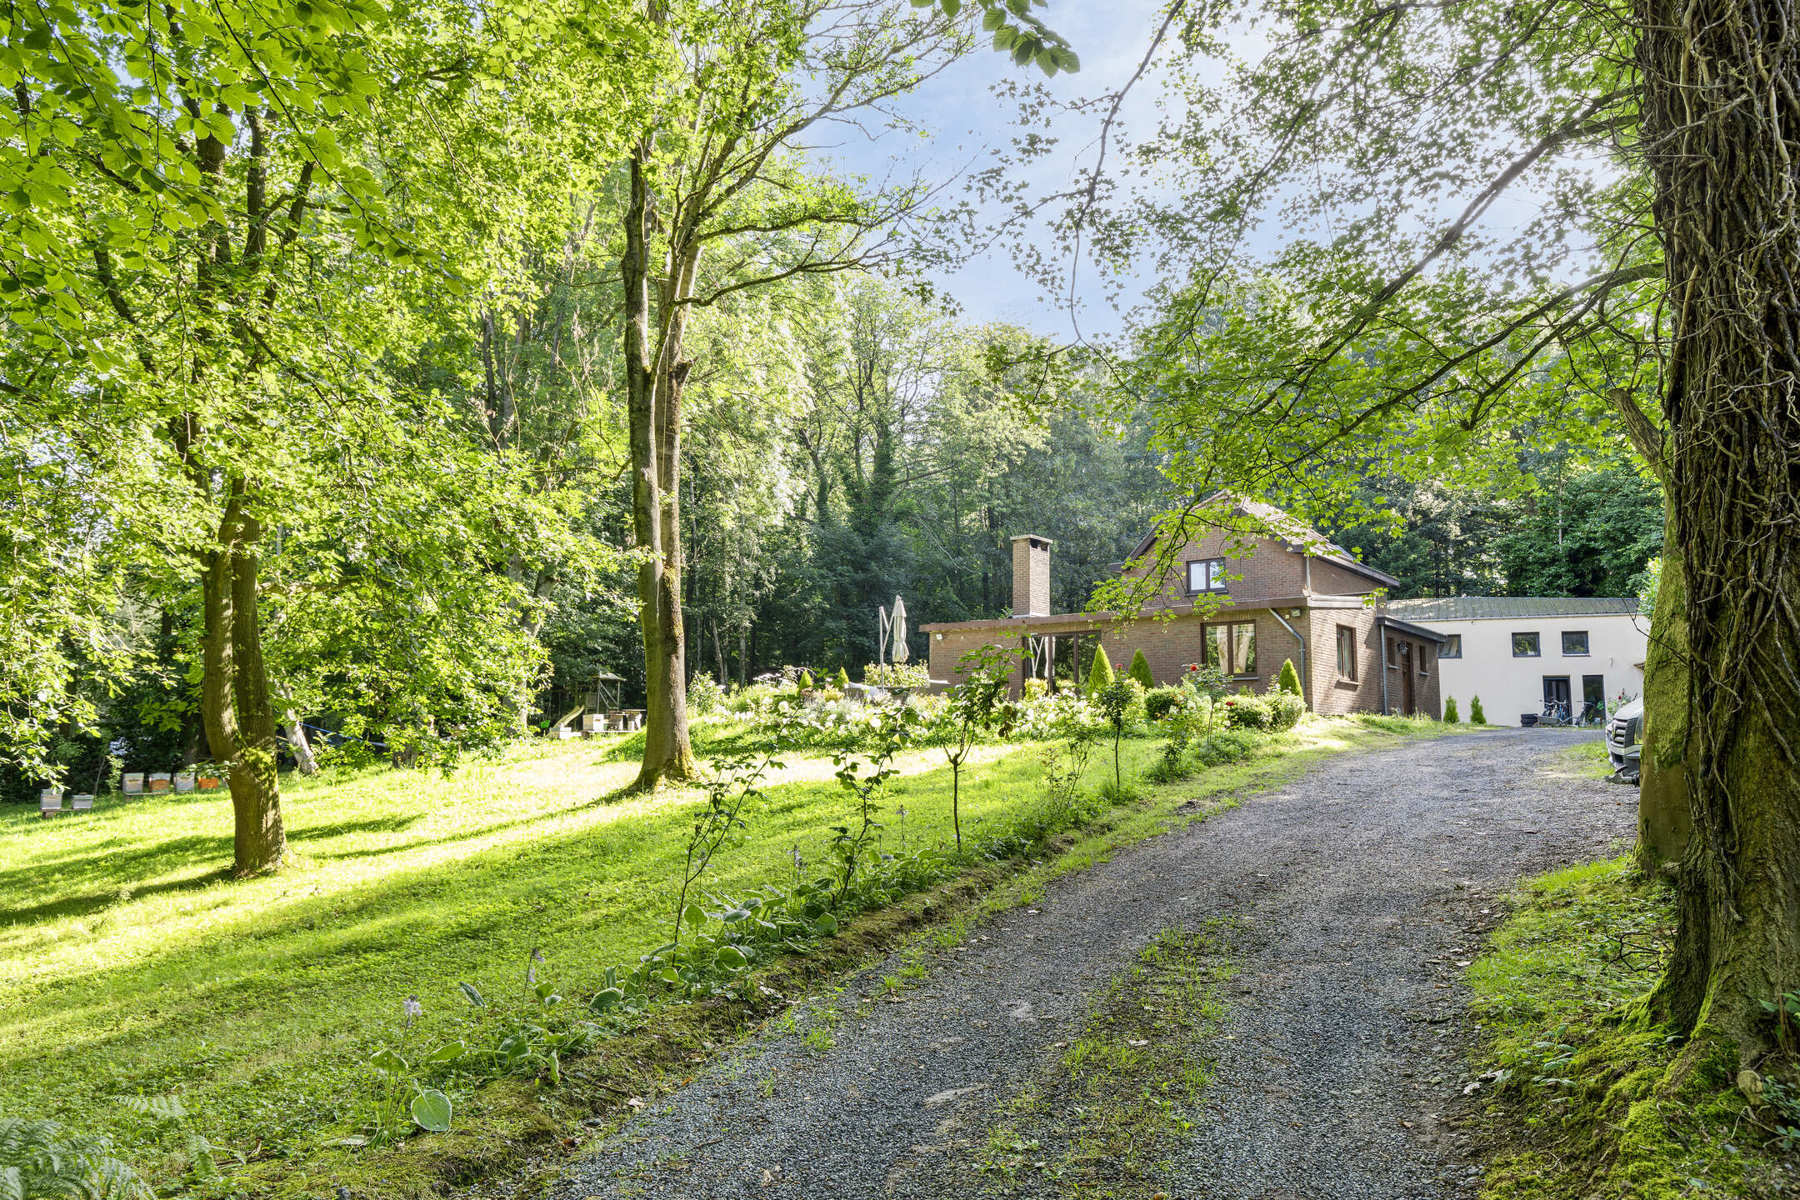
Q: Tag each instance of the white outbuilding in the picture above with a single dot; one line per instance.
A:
(1529, 656)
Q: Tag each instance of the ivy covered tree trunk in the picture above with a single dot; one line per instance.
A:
(1721, 134)
(234, 691)
(1663, 821)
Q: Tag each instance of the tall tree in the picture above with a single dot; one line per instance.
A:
(1724, 159)
(1642, 304)
(718, 202)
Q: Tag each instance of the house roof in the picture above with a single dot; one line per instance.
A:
(1494, 608)
(1290, 529)
(1407, 627)
(1081, 622)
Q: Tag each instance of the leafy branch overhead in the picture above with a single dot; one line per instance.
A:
(1018, 31)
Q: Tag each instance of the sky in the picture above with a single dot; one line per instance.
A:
(966, 123)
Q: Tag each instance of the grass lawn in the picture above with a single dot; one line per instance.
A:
(130, 966)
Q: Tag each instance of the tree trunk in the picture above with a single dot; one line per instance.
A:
(296, 736)
(234, 691)
(1723, 149)
(1663, 821)
(654, 424)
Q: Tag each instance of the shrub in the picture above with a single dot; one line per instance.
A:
(1476, 716)
(1140, 670)
(704, 695)
(1246, 712)
(842, 680)
(1225, 746)
(1159, 702)
(1036, 689)
(1450, 716)
(897, 675)
(1285, 710)
(805, 681)
(1100, 674)
(1289, 679)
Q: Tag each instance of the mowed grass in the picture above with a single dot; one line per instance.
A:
(130, 965)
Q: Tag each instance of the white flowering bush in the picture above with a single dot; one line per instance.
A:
(1054, 716)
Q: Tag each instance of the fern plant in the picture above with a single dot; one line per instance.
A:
(42, 1159)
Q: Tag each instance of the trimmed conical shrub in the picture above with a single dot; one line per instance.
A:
(806, 681)
(843, 680)
(1476, 716)
(1100, 674)
(1140, 670)
(1289, 679)
(1450, 717)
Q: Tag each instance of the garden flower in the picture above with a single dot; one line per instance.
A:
(412, 1008)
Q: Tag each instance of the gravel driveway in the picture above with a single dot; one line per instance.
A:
(1355, 895)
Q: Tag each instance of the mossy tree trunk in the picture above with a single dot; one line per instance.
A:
(654, 374)
(1721, 134)
(1663, 821)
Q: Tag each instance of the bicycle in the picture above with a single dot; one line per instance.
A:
(1555, 713)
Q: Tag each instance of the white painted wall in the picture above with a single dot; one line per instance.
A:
(1511, 686)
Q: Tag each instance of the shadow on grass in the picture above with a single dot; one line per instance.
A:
(81, 906)
(108, 865)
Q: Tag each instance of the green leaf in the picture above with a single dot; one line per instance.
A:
(730, 958)
(431, 1110)
(693, 917)
(473, 995)
(826, 925)
(447, 1053)
(387, 1059)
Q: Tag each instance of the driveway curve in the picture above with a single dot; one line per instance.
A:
(1355, 895)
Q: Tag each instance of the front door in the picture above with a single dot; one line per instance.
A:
(1593, 699)
(1407, 704)
(1556, 697)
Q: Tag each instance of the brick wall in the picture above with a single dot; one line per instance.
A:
(1269, 572)
(1335, 695)
(1329, 579)
(1332, 694)
(1031, 576)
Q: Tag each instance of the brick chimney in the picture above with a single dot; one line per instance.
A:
(1031, 575)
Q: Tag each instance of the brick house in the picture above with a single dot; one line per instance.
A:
(1246, 595)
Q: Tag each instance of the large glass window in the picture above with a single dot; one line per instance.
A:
(1346, 651)
(1575, 641)
(1526, 645)
(1206, 575)
(1231, 648)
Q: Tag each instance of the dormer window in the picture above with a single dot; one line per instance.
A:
(1205, 575)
